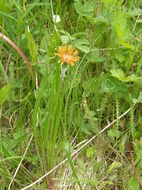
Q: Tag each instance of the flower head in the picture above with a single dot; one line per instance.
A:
(67, 55)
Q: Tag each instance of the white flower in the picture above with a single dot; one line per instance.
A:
(56, 18)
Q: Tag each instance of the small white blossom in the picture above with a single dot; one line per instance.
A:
(56, 18)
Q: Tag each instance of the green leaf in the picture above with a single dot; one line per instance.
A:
(97, 166)
(132, 78)
(90, 152)
(118, 73)
(113, 85)
(82, 44)
(94, 57)
(126, 45)
(139, 99)
(6, 151)
(4, 92)
(83, 48)
(113, 166)
(4, 10)
(133, 184)
(122, 144)
(112, 133)
(68, 151)
(120, 56)
(120, 24)
(101, 18)
(109, 2)
(134, 12)
(81, 41)
(80, 164)
(44, 45)
(93, 182)
(65, 39)
(122, 28)
(141, 142)
(32, 46)
(84, 10)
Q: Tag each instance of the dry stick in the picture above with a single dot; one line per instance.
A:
(77, 151)
(10, 42)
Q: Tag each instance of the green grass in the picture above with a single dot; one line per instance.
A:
(52, 126)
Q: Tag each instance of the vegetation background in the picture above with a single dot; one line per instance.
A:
(86, 127)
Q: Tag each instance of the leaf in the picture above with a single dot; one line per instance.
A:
(4, 10)
(112, 133)
(113, 166)
(90, 152)
(55, 41)
(132, 78)
(138, 150)
(122, 28)
(45, 42)
(95, 57)
(82, 44)
(118, 73)
(84, 10)
(86, 129)
(68, 151)
(139, 99)
(4, 92)
(120, 24)
(97, 166)
(122, 144)
(109, 2)
(32, 46)
(119, 55)
(104, 183)
(134, 12)
(126, 45)
(141, 142)
(133, 184)
(65, 39)
(6, 151)
(93, 182)
(101, 18)
(80, 164)
(113, 85)
(81, 41)
(84, 49)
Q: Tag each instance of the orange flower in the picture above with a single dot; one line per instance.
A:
(67, 55)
